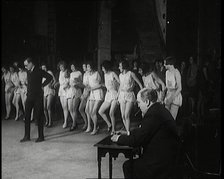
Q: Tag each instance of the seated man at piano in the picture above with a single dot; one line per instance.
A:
(157, 136)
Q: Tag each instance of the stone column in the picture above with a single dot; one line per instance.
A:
(104, 33)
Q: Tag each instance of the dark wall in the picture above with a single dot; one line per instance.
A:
(123, 31)
(73, 23)
(17, 27)
(77, 20)
(209, 27)
(194, 26)
(182, 27)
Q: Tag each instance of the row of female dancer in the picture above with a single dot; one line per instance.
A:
(86, 92)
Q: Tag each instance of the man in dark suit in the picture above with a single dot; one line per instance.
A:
(35, 98)
(158, 137)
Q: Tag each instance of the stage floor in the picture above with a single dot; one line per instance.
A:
(63, 154)
(66, 154)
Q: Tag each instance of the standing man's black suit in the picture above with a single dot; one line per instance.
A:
(158, 137)
(35, 100)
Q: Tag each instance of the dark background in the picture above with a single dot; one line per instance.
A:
(76, 34)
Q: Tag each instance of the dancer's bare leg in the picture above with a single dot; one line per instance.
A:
(82, 112)
(64, 105)
(128, 108)
(122, 108)
(102, 113)
(87, 111)
(96, 105)
(16, 100)
(50, 99)
(73, 106)
(112, 115)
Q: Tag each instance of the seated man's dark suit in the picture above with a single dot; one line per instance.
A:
(158, 137)
(35, 99)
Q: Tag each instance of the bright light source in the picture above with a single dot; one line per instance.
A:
(168, 22)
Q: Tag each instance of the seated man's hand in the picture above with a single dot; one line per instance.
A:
(121, 132)
(115, 137)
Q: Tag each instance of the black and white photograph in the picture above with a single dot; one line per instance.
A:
(102, 89)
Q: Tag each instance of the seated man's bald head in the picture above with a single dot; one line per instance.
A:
(147, 94)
